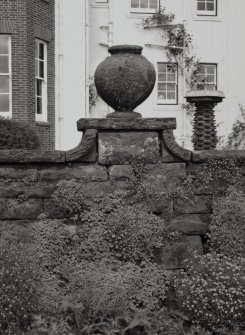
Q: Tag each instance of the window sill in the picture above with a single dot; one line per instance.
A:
(99, 4)
(166, 107)
(138, 16)
(207, 18)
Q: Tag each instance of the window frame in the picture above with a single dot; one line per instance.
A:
(43, 117)
(215, 74)
(169, 101)
(144, 10)
(207, 12)
(9, 74)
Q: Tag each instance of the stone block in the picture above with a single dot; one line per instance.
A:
(34, 190)
(163, 177)
(18, 173)
(194, 224)
(20, 209)
(200, 205)
(85, 173)
(92, 190)
(126, 147)
(173, 254)
(121, 172)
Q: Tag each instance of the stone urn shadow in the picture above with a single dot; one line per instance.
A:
(124, 80)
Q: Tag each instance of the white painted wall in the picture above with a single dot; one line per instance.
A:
(215, 40)
(70, 71)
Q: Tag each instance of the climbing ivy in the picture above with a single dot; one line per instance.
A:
(179, 44)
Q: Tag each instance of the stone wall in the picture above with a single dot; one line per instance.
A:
(104, 162)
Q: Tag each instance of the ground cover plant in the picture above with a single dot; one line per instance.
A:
(96, 271)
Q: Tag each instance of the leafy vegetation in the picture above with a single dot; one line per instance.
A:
(15, 135)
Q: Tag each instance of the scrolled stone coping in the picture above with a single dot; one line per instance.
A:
(127, 124)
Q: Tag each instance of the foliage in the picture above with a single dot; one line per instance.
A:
(216, 176)
(212, 291)
(93, 95)
(69, 196)
(18, 296)
(179, 43)
(236, 138)
(55, 255)
(126, 233)
(110, 290)
(227, 227)
(15, 135)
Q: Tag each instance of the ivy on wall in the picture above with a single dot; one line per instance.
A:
(179, 44)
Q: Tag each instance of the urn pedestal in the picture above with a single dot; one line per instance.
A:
(204, 128)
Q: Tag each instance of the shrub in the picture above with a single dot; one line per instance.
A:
(109, 291)
(15, 135)
(69, 196)
(212, 291)
(55, 256)
(18, 296)
(227, 227)
(125, 233)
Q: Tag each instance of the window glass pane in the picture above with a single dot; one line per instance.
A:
(143, 3)
(162, 67)
(36, 68)
(41, 69)
(135, 3)
(39, 105)
(171, 77)
(39, 87)
(4, 103)
(210, 78)
(162, 95)
(210, 87)
(4, 66)
(210, 6)
(4, 84)
(153, 4)
(41, 51)
(171, 95)
(162, 77)
(171, 87)
(4, 45)
(201, 6)
(162, 87)
(211, 69)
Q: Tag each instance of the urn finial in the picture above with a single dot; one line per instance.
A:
(124, 80)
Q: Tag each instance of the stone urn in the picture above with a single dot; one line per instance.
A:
(124, 80)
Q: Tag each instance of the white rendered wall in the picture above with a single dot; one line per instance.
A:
(215, 40)
(70, 71)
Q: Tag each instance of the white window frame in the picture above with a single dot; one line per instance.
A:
(144, 10)
(43, 117)
(8, 114)
(101, 1)
(206, 12)
(168, 101)
(206, 75)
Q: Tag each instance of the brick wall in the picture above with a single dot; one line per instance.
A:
(26, 20)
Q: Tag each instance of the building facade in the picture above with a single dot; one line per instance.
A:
(91, 26)
(27, 65)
